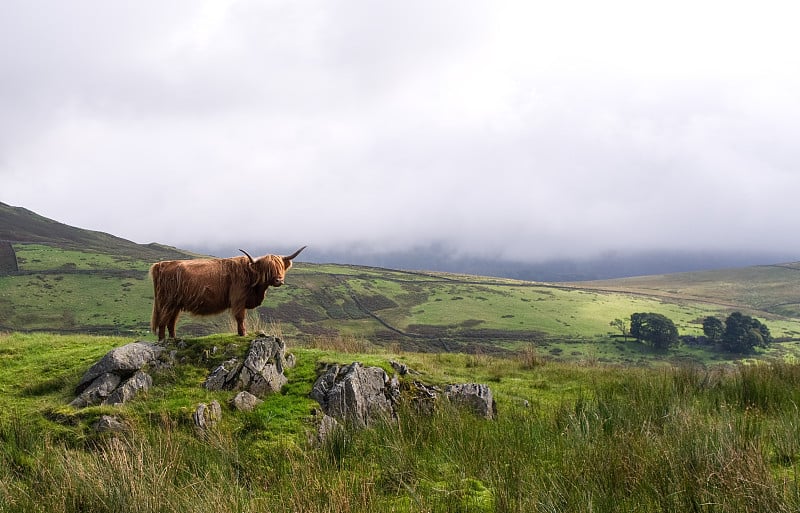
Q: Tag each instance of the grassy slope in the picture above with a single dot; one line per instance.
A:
(84, 291)
(21, 225)
(590, 439)
(769, 288)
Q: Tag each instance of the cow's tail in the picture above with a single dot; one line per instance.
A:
(155, 275)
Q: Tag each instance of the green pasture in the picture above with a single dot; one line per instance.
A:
(39, 257)
(768, 288)
(75, 301)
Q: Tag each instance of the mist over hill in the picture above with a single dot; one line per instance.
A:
(606, 266)
(18, 224)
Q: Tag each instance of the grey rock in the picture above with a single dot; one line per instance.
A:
(477, 397)
(327, 426)
(224, 376)
(139, 382)
(261, 373)
(355, 394)
(423, 397)
(97, 391)
(206, 416)
(107, 423)
(400, 368)
(245, 401)
(123, 361)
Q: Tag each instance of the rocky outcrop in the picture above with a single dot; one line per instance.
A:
(356, 395)
(119, 376)
(261, 372)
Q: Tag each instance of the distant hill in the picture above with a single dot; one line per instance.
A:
(20, 225)
(602, 267)
(773, 289)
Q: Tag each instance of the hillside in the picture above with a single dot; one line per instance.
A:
(72, 280)
(19, 225)
(774, 289)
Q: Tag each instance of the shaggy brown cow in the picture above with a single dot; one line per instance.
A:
(211, 286)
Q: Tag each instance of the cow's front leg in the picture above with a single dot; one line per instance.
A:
(173, 320)
(239, 316)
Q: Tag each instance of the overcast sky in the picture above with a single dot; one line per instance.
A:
(523, 129)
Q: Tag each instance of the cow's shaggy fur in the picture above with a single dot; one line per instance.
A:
(211, 286)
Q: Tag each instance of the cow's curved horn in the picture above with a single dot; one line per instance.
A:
(248, 256)
(293, 255)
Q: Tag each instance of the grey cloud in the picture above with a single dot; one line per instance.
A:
(486, 129)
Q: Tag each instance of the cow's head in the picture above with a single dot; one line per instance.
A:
(270, 270)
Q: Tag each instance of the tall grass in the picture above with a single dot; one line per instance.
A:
(674, 440)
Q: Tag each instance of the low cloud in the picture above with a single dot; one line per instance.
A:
(509, 130)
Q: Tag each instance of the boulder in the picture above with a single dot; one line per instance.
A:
(245, 401)
(356, 395)
(119, 376)
(206, 416)
(261, 372)
(98, 390)
(123, 361)
(139, 382)
(476, 397)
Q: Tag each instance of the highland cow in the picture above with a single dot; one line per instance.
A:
(210, 286)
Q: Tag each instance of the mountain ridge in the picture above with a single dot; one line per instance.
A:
(23, 226)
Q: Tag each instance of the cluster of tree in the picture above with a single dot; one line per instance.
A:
(738, 334)
(654, 328)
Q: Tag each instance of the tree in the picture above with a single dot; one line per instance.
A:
(743, 333)
(654, 328)
(713, 329)
(622, 326)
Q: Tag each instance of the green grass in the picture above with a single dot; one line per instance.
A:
(591, 438)
(39, 257)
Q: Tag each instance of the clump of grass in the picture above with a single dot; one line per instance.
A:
(529, 358)
(340, 343)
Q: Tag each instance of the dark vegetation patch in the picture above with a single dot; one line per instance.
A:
(377, 302)
(429, 330)
(316, 330)
(8, 258)
(497, 334)
(293, 311)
